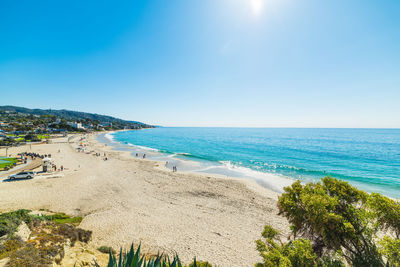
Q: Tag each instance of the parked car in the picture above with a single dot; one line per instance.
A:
(22, 175)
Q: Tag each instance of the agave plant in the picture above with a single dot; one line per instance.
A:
(134, 259)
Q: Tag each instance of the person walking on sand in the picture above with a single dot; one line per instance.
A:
(144, 155)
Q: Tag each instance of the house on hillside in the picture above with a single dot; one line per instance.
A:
(76, 125)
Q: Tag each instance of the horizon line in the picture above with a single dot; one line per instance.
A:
(278, 127)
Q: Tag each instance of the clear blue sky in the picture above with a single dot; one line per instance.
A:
(308, 63)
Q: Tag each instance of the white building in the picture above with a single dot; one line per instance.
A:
(76, 125)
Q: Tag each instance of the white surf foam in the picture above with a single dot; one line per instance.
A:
(145, 148)
(272, 181)
(109, 136)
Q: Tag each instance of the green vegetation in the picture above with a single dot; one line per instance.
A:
(19, 125)
(43, 136)
(24, 120)
(47, 239)
(133, 258)
(333, 223)
(62, 218)
(200, 264)
(297, 252)
(10, 221)
(9, 162)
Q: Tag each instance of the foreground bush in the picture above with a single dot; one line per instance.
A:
(45, 245)
(10, 221)
(334, 223)
(133, 258)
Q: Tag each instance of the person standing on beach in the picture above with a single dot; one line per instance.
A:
(144, 155)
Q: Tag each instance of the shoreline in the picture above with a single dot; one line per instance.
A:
(250, 183)
(364, 163)
(125, 199)
(271, 182)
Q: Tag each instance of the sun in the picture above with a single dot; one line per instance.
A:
(257, 6)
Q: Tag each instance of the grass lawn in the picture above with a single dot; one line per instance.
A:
(43, 136)
(6, 162)
(14, 135)
(21, 137)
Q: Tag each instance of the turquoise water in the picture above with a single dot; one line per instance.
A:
(274, 157)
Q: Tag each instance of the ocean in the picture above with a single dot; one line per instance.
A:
(275, 157)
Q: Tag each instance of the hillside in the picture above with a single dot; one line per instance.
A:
(74, 115)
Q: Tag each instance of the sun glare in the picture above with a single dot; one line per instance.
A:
(257, 6)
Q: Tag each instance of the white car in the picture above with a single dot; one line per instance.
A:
(22, 175)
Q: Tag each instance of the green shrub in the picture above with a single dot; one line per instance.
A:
(62, 218)
(10, 246)
(74, 234)
(331, 220)
(133, 258)
(28, 256)
(296, 253)
(390, 248)
(10, 221)
(49, 235)
(200, 264)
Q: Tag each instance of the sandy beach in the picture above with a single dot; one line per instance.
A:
(125, 199)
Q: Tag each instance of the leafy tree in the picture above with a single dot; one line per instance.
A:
(386, 212)
(337, 217)
(390, 248)
(295, 253)
(31, 137)
(275, 253)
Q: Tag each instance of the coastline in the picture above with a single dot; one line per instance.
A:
(200, 166)
(160, 165)
(126, 199)
(275, 158)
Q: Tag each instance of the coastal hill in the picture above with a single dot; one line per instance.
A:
(75, 116)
